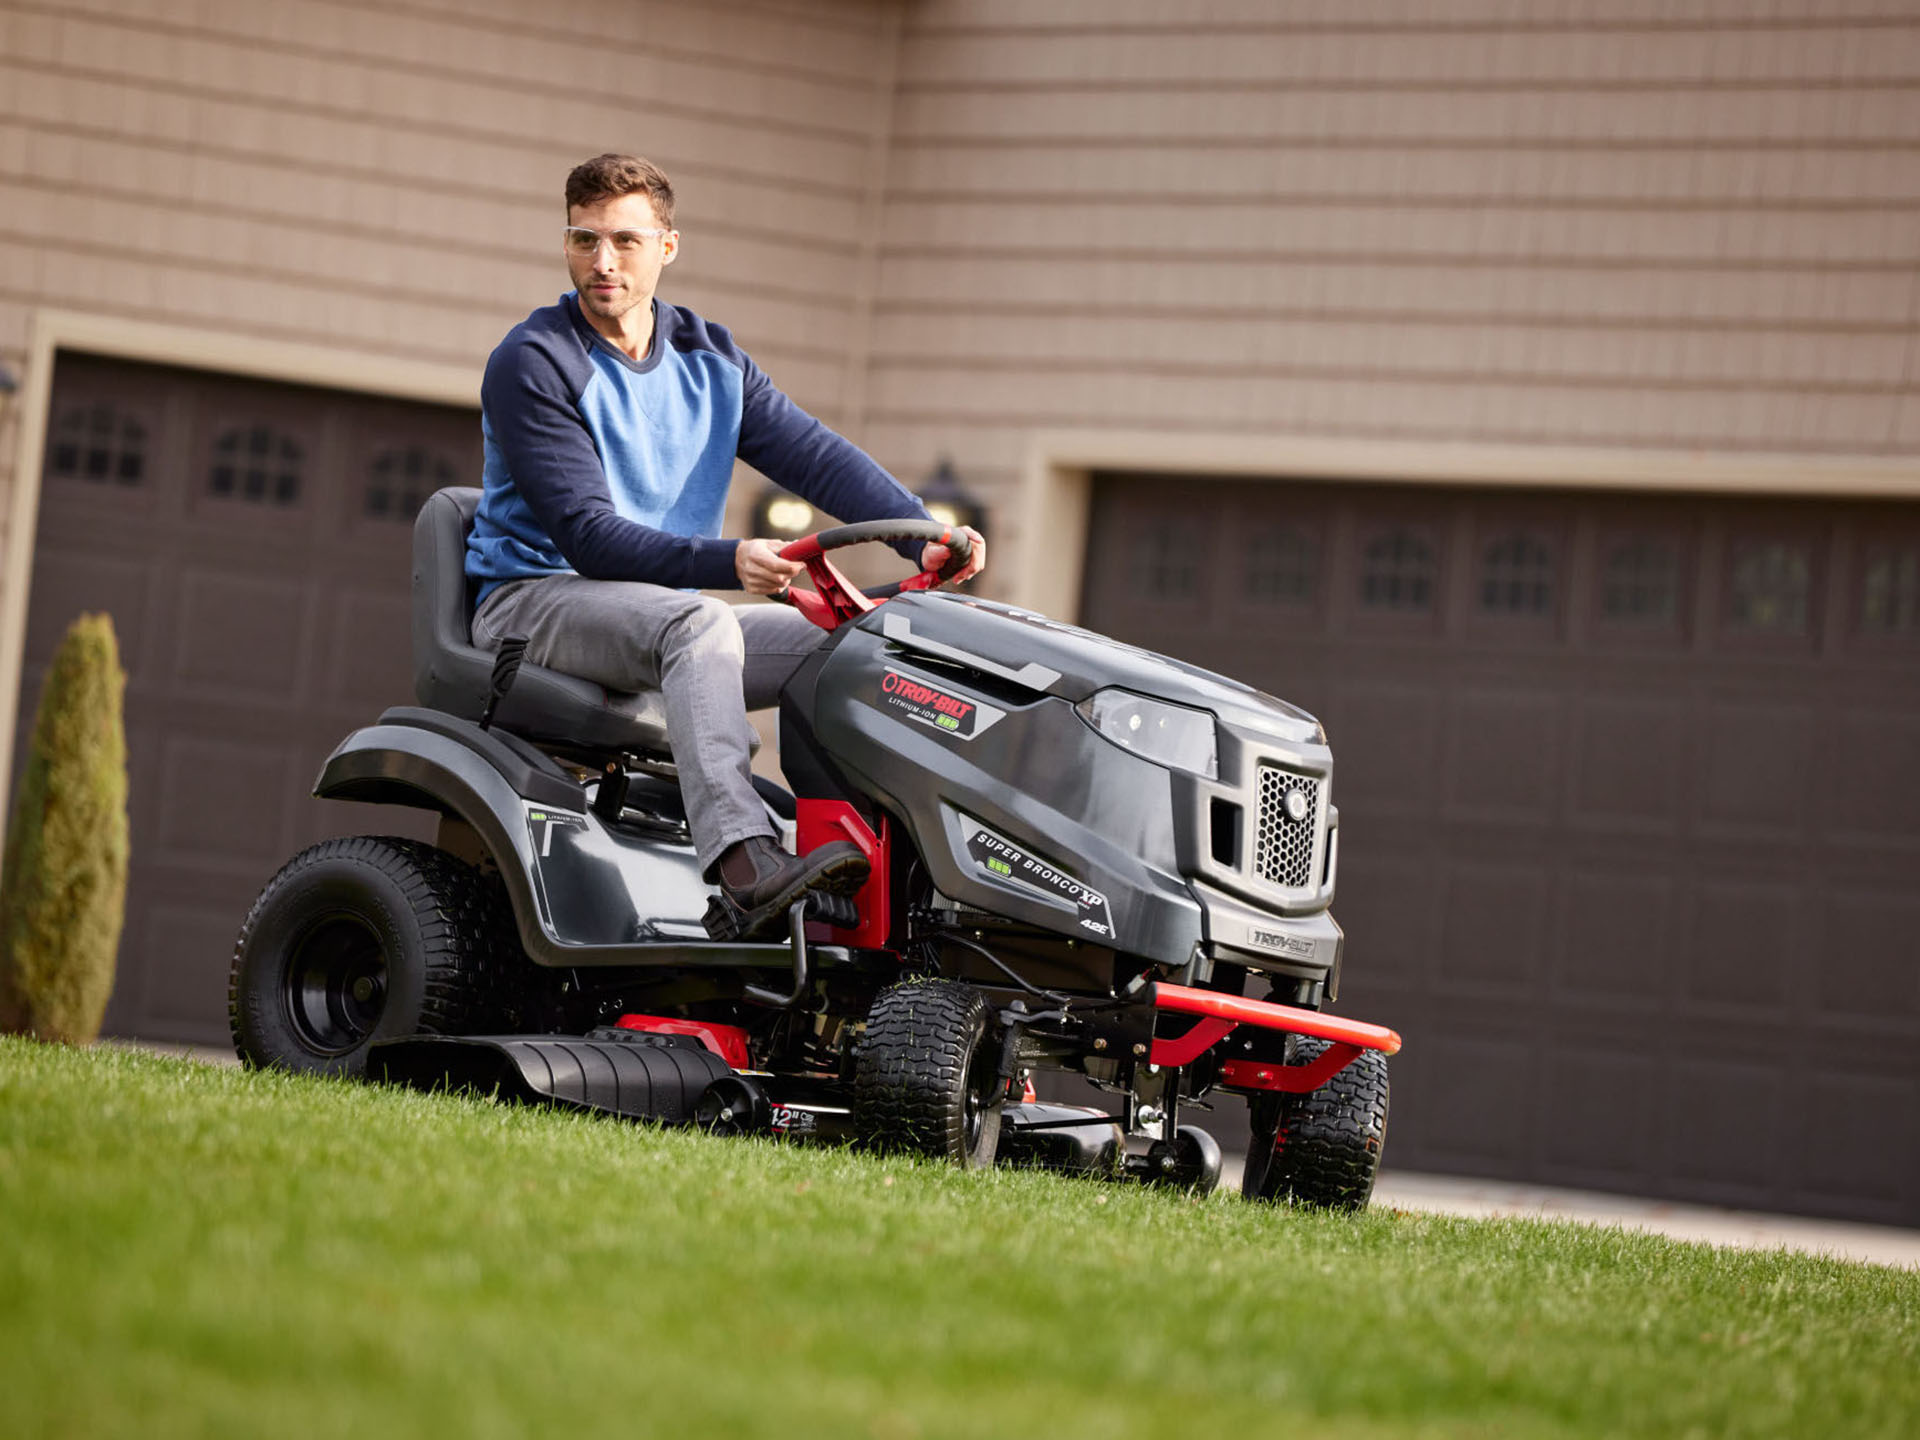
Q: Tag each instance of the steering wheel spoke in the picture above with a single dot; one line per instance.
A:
(835, 600)
(837, 593)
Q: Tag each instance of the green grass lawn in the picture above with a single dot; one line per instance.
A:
(190, 1251)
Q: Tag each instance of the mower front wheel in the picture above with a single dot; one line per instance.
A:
(1322, 1148)
(927, 1075)
(363, 939)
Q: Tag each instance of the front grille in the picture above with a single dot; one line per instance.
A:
(1283, 846)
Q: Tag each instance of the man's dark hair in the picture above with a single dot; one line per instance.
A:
(606, 177)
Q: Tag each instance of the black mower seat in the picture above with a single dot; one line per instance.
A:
(453, 674)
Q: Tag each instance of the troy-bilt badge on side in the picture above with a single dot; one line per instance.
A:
(956, 715)
(1004, 860)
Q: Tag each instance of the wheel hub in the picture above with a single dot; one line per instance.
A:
(336, 984)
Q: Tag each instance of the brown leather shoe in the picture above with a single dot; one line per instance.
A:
(759, 883)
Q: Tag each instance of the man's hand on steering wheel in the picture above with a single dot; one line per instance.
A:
(761, 569)
(937, 555)
(835, 600)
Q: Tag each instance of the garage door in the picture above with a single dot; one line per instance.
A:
(1630, 802)
(252, 544)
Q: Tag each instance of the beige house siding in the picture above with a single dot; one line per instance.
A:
(1665, 227)
(385, 177)
(1668, 227)
(367, 193)
(380, 182)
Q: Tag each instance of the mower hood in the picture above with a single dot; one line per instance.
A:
(1045, 657)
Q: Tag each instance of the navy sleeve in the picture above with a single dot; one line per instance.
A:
(795, 451)
(530, 407)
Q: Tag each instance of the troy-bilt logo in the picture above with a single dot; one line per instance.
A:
(950, 709)
(933, 706)
(1292, 944)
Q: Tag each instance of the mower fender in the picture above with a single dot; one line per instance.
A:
(403, 765)
(582, 894)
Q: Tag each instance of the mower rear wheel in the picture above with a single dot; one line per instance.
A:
(1322, 1148)
(364, 939)
(926, 1077)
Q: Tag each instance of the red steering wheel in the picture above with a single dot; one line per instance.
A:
(834, 599)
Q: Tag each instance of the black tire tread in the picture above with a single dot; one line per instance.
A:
(911, 1069)
(1328, 1142)
(465, 925)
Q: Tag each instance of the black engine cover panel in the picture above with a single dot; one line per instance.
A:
(1017, 806)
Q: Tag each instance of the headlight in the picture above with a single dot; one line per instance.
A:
(1166, 734)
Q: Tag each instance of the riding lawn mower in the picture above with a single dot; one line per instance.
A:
(1084, 858)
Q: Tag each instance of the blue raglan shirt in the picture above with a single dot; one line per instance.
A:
(617, 469)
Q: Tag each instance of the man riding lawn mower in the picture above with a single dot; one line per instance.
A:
(1016, 845)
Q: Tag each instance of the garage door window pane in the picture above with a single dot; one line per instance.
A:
(1890, 599)
(100, 444)
(1397, 572)
(257, 463)
(399, 481)
(1771, 581)
(1283, 567)
(1168, 557)
(1641, 583)
(1516, 577)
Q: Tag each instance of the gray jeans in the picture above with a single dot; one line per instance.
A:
(711, 662)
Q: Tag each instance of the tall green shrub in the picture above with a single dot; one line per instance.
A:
(64, 892)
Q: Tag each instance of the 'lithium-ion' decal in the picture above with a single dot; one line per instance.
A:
(955, 715)
(1004, 860)
(543, 824)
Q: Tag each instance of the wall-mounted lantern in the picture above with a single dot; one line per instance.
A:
(950, 502)
(780, 516)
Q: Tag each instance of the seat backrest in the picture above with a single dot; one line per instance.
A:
(453, 674)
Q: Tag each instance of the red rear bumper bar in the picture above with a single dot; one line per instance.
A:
(1221, 1014)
